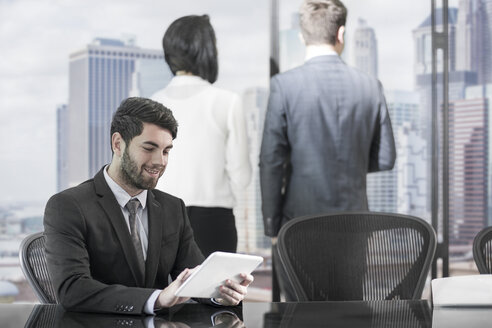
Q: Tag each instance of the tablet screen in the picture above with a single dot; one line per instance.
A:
(213, 272)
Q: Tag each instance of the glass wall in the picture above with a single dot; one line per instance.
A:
(65, 67)
(396, 49)
(469, 137)
(395, 45)
(61, 81)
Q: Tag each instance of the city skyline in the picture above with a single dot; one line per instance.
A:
(34, 71)
(34, 68)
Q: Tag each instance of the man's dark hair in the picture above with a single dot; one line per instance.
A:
(189, 45)
(133, 112)
(320, 21)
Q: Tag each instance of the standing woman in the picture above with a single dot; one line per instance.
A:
(210, 158)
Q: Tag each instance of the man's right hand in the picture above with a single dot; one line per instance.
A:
(167, 297)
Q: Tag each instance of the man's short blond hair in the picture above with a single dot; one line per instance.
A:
(320, 20)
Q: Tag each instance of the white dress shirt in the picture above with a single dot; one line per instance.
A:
(122, 197)
(210, 158)
(319, 50)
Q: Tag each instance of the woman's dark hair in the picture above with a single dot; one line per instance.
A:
(189, 45)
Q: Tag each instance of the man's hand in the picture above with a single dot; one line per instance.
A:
(167, 297)
(232, 292)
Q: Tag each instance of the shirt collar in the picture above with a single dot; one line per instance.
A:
(319, 50)
(122, 197)
(179, 80)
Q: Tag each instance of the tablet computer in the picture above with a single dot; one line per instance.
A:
(213, 272)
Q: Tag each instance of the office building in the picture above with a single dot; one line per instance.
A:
(61, 147)
(292, 49)
(249, 219)
(468, 173)
(411, 168)
(100, 77)
(422, 36)
(382, 187)
(481, 38)
(365, 49)
(485, 92)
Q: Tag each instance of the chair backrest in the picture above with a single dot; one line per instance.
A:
(482, 250)
(33, 263)
(357, 256)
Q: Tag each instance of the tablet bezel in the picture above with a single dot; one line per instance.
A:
(213, 272)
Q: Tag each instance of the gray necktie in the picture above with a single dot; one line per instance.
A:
(132, 206)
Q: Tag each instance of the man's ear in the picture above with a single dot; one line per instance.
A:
(340, 42)
(117, 144)
(341, 35)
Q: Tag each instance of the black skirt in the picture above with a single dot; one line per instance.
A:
(214, 229)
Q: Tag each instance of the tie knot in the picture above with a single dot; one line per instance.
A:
(132, 205)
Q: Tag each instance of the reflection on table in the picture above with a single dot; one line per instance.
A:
(266, 315)
(181, 316)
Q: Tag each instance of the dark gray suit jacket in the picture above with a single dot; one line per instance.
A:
(90, 255)
(326, 127)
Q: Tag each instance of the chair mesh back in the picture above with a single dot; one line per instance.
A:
(357, 256)
(35, 268)
(482, 250)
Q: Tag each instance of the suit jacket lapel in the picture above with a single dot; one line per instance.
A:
(155, 217)
(113, 211)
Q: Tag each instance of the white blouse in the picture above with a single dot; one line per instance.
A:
(210, 157)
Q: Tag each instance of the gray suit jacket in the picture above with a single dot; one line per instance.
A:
(90, 255)
(326, 127)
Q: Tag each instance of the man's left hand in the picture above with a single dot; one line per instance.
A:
(232, 293)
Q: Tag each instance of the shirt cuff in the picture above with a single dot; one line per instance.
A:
(150, 304)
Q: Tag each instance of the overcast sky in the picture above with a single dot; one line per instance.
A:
(36, 38)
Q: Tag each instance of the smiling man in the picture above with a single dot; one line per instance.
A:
(112, 241)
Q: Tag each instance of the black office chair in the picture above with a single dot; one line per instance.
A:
(482, 250)
(33, 263)
(357, 256)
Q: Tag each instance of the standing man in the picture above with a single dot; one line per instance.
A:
(326, 127)
(112, 241)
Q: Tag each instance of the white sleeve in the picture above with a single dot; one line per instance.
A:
(150, 304)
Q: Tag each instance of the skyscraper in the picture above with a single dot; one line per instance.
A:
(468, 148)
(249, 218)
(382, 187)
(482, 39)
(61, 147)
(292, 49)
(100, 77)
(485, 92)
(365, 49)
(422, 37)
(411, 169)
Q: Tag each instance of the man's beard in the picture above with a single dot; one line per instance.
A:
(132, 176)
